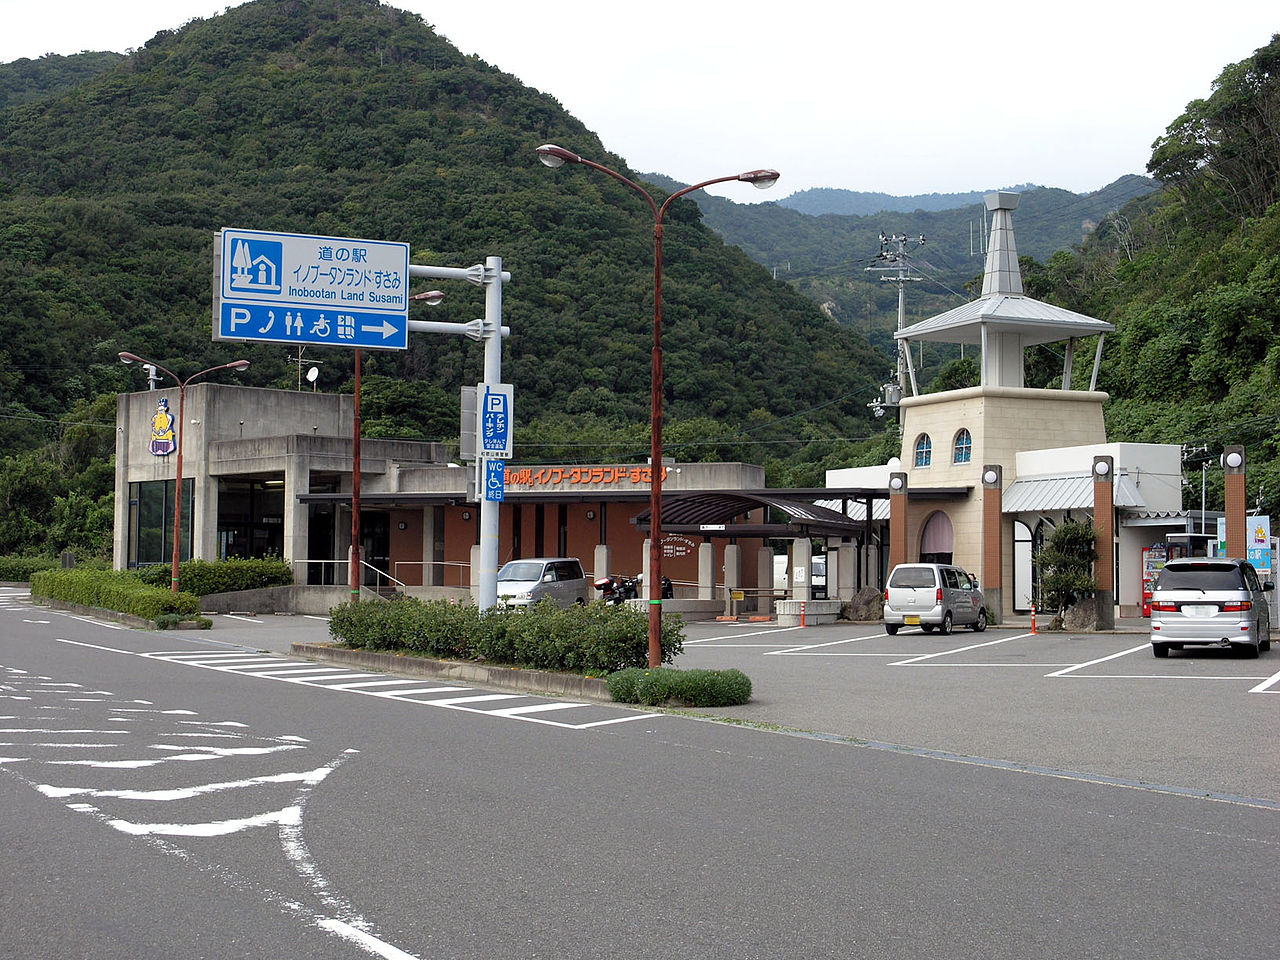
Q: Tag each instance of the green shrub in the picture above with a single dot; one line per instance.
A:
(20, 569)
(112, 590)
(591, 639)
(692, 688)
(203, 577)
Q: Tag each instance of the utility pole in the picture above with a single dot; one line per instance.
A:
(893, 256)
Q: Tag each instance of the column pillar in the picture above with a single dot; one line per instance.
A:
(801, 569)
(764, 581)
(897, 519)
(1233, 465)
(706, 571)
(990, 576)
(1104, 531)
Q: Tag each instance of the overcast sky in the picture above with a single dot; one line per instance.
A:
(932, 96)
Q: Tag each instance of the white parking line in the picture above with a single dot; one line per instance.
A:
(739, 636)
(1266, 685)
(1090, 663)
(829, 643)
(972, 646)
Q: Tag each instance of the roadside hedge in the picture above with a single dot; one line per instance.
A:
(20, 569)
(594, 639)
(112, 590)
(203, 577)
(691, 688)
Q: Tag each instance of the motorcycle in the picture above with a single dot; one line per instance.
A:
(615, 589)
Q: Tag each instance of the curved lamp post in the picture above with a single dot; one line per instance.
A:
(554, 156)
(126, 357)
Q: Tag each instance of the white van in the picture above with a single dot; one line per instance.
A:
(930, 595)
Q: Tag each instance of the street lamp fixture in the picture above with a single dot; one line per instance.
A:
(556, 156)
(126, 357)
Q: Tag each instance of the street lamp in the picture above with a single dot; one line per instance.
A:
(554, 156)
(126, 357)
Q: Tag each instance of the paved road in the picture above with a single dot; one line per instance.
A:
(181, 795)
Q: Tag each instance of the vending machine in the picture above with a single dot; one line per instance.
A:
(1153, 561)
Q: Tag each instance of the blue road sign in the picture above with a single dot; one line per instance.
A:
(494, 428)
(299, 289)
(495, 479)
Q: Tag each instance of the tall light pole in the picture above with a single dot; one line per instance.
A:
(554, 156)
(126, 357)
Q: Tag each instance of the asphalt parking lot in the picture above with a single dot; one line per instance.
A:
(1091, 705)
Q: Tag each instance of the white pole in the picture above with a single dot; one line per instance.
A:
(489, 509)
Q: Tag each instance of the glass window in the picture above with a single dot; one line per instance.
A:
(964, 447)
(924, 450)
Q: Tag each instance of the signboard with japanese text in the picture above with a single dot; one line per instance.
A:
(299, 289)
(495, 480)
(493, 419)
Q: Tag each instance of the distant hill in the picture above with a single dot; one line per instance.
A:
(826, 257)
(353, 119)
(855, 203)
(23, 81)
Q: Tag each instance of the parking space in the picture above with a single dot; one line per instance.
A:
(1051, 655)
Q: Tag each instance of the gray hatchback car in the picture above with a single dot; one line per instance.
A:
(1210, 601)
(522, 583)
(933, 595)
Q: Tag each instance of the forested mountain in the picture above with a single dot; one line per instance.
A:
(859, 203)
(350, 118)
(26, 80)
(827, 257)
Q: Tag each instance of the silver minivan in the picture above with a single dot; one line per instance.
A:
(522, 583)
(933, 595)
(1210, 601)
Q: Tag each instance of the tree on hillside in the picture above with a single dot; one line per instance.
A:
(1229, 144)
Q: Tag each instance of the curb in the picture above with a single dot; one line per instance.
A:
(505, 678)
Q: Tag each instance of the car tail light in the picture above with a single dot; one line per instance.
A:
(1164, 606)
(938, 598)
(1238, 606)
(886, 594)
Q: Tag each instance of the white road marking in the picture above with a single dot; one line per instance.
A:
(1090, 663)
(1266, 685)
(972, 646)
(369, 683)
(232, 616)
(455, 701)
(818, 646)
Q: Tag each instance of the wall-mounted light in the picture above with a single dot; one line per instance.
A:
(1101, 468)
(990, 477)
(895, 483)
(1233, 459)
(591, 514)
(466, 514)
(402, 525)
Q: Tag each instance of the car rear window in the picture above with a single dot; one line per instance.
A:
(1201, 576)
(912, 577)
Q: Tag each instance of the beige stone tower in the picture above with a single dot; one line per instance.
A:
(950, 439)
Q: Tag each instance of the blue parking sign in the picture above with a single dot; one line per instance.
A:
(493, 427)
(495, 478)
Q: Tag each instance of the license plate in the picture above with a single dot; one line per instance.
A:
(911, 621)
(1192, 610)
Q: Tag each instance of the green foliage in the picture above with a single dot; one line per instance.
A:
(112, 590)
(593, 639)
(351, 118)
(20, 569)
(693, 688)
(203, 577)
(1066, 565)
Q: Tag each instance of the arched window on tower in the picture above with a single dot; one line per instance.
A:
(963, 447)
(924, 451)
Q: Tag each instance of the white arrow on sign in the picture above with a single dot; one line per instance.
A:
(388, 328)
